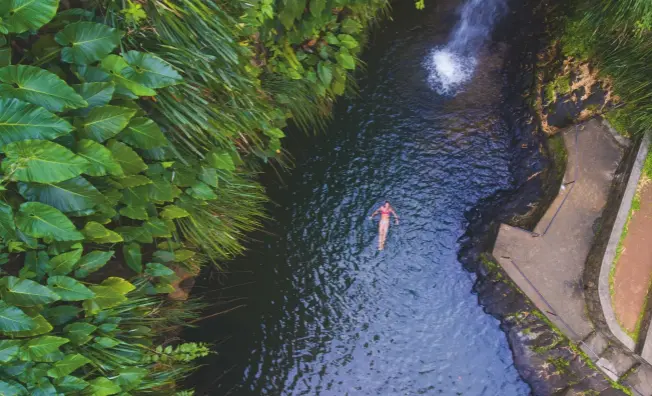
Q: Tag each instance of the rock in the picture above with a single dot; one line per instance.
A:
(184, 284)
(564, 112)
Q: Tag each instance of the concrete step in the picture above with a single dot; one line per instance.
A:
(640, 380)
(615, 363)
(594, 345)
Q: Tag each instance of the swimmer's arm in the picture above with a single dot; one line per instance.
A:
(374, 214)
(392, 211)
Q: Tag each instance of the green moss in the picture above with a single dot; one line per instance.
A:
(559, 155)
(576, 42)
(562, 84)
(491, 265)
(647, 167)
(562, 365)
(621, 120)
(549, 93)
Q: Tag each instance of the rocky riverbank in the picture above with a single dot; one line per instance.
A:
(562, 92)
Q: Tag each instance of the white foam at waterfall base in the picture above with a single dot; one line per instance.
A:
(449, 70)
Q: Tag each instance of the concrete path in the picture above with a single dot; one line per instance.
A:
(552, 258)
(547, 264)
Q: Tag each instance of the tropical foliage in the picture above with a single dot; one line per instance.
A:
(130, 137)
(615, 36)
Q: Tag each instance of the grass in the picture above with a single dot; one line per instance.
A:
(620, 120)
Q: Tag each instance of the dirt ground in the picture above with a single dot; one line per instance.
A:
(634, 268)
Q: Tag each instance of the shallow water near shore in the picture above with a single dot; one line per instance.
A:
(326, 313)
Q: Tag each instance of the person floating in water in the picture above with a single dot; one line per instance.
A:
(383, 226)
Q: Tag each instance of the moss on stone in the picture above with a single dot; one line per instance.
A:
(549, 93)
(558, 154)
(562, 84)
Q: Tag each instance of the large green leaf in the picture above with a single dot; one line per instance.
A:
(116, 65)
(79, 332)
(87, 42)
(7, 224)
(174, 212)
(158, 228)
(92, 262)
(149, 70)
(12, 388)
(25, 292)
(133, 257)
(9, 350)
(99, 157)
(12, 319)
(66, 366)
(104, 122)
(41, 161)
(130, 377)
(96, 232)
(105, 297)
(42, 326)
(40, 87)
(21, 120)
(102, 386)
(135, 234)
(162, 190)
(69, 289)
(129, 160)
(61, 314)
(220, 159)
(36, 348)
(135, 212)
(158, 269)
(39, 220)
(19, 16)
(70, 384)
(68, 196)
(95, 93)
(64, 263)
(143, 133)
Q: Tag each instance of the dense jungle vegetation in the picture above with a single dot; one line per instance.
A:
(614, 35)
(131, 133)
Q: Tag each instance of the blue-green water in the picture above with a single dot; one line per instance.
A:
(326, 313)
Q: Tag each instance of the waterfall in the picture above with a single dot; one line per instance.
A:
(452, 65)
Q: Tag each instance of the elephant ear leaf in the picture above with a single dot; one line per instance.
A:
(20, 121)
(13, 319)
(40, 87)
(26, 293)
(128, 159)
(105, 122)
(73, 195)
(116, 66)
(39, 221)
(99, 157)
(95, 93)
(143, 133)
(87, 42)
(149, 70)
(20, 16)
(41, 161)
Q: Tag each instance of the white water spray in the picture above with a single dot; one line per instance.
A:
(452, 65)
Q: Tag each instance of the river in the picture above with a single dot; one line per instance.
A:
(324, 312)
